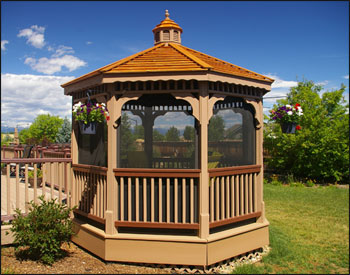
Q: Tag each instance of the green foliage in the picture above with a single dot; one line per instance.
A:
(173, 134)
(189, 133)
(139, 132)
(64, 133)
(127, 138)
(42, 232)
(6, 139)
(39, 174)
(157, 136)
(216, 128)
(320, 150)
(44, 128)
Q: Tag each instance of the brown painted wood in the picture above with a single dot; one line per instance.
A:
(90, 216)
(228, 171)
(35, 160)
(234, 219)
(89, 169)
(164, 173)
(157, 225)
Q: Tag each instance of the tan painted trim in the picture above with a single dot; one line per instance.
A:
(194, 102)
(215, 98)
(121, 101)
(84, 84)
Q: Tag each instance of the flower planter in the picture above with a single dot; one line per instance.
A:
(31, 182)
(88, 129)
(288, 128)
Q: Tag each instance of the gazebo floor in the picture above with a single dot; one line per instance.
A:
(170, 249)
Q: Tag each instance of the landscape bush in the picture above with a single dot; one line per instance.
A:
(320, 150)
(40, 234)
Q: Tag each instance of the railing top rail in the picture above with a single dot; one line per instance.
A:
(35, 160)
(151, 172)
(225, 171)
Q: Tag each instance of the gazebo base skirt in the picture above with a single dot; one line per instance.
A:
(174, 250)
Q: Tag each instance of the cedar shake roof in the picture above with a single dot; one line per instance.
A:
(171, 57)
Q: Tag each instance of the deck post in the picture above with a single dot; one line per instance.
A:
(112, 201)
(204, 175)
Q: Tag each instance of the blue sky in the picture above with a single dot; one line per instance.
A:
(45, 44)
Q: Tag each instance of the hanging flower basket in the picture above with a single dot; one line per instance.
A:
(89, 114)
(288, 117)
(88, 129)
(288, 127)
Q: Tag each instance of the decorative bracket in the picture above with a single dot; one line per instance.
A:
(258, 116)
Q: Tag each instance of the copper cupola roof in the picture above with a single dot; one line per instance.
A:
(167, 31)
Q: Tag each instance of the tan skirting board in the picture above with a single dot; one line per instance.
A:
(170, 249)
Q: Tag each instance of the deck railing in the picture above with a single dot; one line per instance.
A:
(233, 194)
(16, 191)
(90, 191)
(157, 198)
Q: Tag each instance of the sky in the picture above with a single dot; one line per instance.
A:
(47, 43)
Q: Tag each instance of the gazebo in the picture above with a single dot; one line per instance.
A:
(176, 175)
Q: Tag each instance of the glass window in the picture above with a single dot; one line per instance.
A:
(157, 131)
(231, 134)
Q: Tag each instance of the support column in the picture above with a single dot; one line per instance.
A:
(204, 175)
(258, 106)
(112, 198)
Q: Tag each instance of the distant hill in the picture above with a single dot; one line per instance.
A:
(5, 129)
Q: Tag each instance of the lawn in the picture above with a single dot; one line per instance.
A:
(309, 231)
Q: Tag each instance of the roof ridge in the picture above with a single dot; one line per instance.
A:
(191, 56)
(218, 59)
(126, 59)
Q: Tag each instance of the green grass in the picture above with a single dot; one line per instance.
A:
(309, 231)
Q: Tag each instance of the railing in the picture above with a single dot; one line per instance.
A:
(52, 151)
(157, 198)
(17, 191)
(233, 194)
(90, 191)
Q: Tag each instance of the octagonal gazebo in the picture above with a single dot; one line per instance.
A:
(175, 176)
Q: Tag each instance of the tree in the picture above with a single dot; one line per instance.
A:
(216, 128)
(44, 127)
(157, 136)
(189, 133)
(320, 150)
(127, 138)
(64, 133)
(173, 134)
(139, 132)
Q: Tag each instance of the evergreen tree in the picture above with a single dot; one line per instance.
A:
(64, 133)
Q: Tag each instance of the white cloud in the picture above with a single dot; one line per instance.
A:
(61, 50)
(88, 42)
(322, 83)
(55, 63)
(23, 97)
(345, 76)
(34, 35)
(3, 43)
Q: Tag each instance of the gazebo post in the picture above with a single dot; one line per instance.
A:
(258, 106)
(204, 175)
(111, 211)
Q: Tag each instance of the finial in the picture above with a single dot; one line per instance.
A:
(166, 14)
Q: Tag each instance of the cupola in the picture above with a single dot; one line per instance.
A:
(167, 31)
